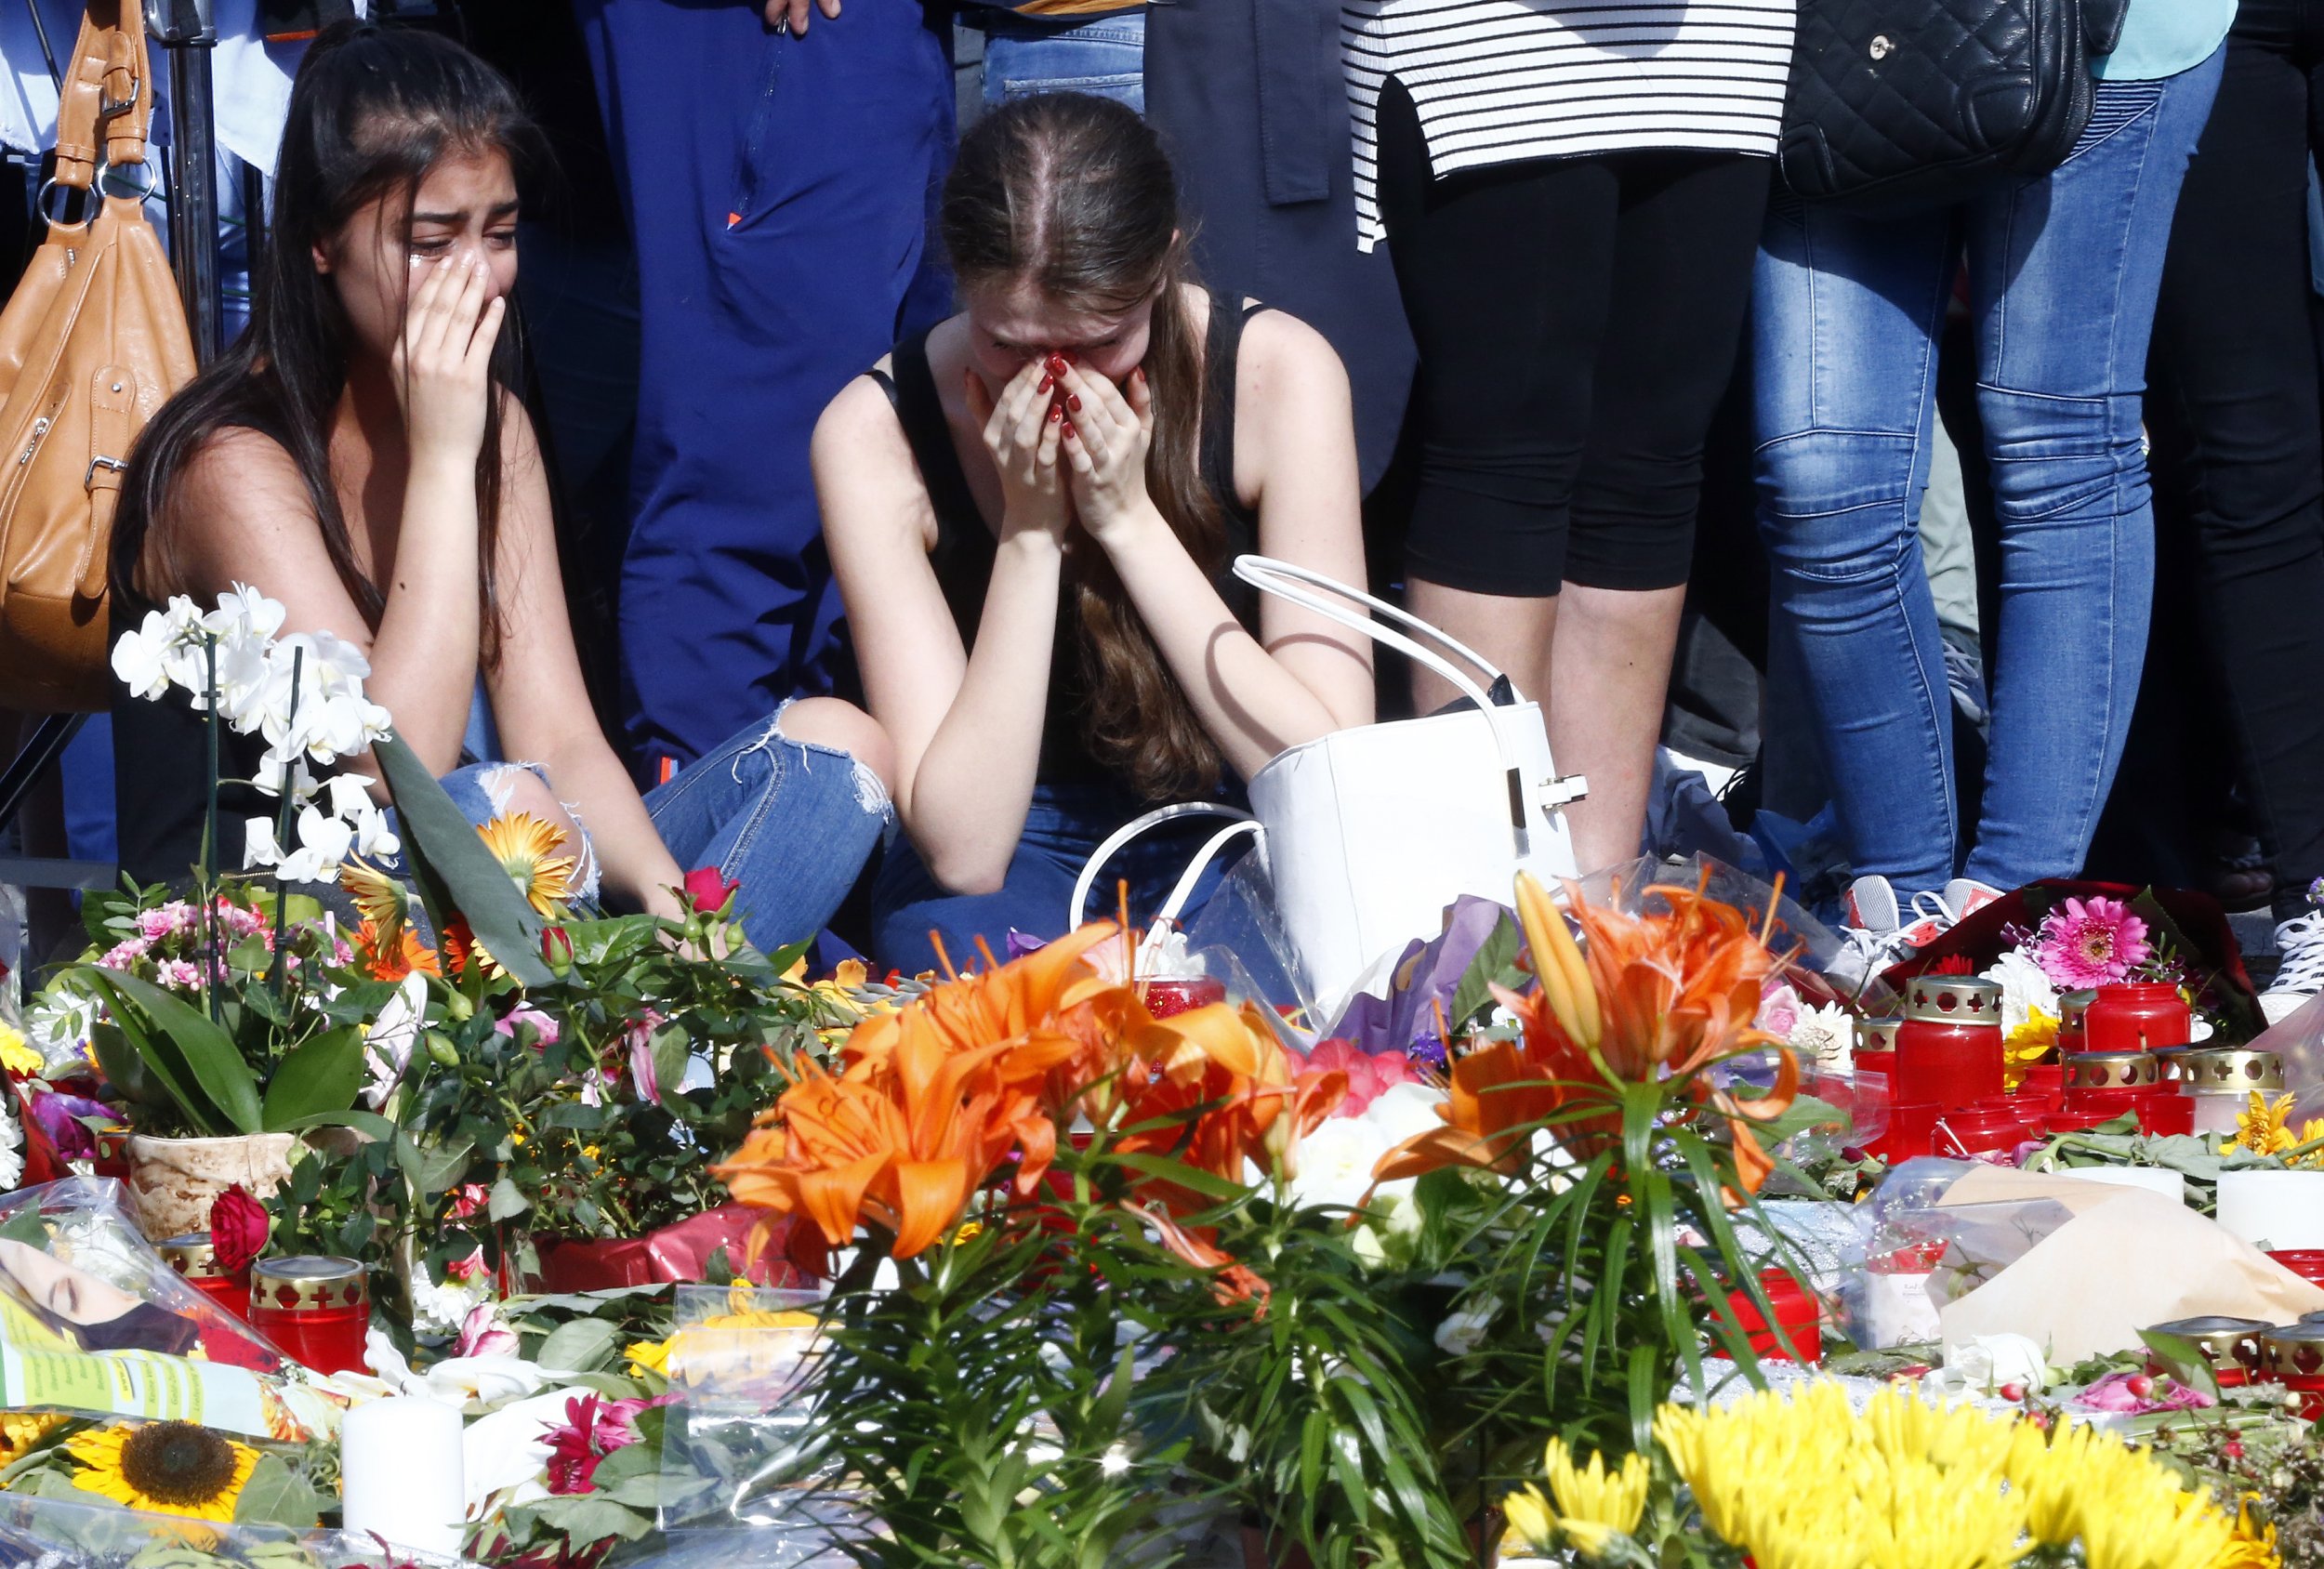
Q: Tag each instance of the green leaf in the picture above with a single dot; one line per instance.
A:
(1492, 964)
(208, 1053)
(507, 1203)
(583, 1346)
(443, 844)
(318, 1076)
(361, 1121)
(275, 1495)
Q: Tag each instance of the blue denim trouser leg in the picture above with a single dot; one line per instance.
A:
(2062, 272)
(791, 822)
(1063, 829)
(1104, 55)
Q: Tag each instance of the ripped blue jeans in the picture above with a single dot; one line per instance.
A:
(793, 823)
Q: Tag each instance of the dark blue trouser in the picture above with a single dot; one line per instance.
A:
(779, 190)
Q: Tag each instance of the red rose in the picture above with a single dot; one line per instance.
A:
(238, 1229)
(707, 887)
(557, 948)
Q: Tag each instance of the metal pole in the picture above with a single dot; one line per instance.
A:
(183, 28)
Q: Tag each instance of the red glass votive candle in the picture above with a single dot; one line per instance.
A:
(2137, 1017)
(2305, 1262)
(1876, 1035)
(190, 1256)
(2072, 1006)
(2162, 1110)
(1948, 1051)
(317, 1310)
(1796, 1335)
(1975, 1130)
(1911, 1132)
(2292, 1350)
(2043, 1087)
(1182, 993)
(2230, 1345)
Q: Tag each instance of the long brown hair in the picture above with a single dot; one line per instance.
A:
(1072, 195)
(372, 111)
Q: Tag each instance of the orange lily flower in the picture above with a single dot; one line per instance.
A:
(1232, 1282)
(1648, 996)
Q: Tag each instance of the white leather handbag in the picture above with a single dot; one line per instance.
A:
(1368, 834)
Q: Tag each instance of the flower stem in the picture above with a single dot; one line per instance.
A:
(208, 877)
(283, 825)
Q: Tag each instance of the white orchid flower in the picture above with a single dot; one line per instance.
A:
(140, 656)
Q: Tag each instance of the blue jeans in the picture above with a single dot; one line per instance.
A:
(1063, 829)
(1104, 55)
(2062, 275)
(791, 822)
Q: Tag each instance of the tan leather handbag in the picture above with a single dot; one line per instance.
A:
(92, 342)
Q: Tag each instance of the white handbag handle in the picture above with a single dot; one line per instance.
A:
(1290, 583)
(1243, 823)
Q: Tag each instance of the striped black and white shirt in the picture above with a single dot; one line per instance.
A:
(1500, 81)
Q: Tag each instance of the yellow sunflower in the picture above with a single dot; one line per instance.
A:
(523, 844)
(170, 1468)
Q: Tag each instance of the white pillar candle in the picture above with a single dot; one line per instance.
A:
(2273, 1209)
(399, 1472)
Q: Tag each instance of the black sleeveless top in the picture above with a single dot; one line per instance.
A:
(966, 545)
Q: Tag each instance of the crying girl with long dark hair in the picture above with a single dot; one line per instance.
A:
(362, 456)
(1033, 511)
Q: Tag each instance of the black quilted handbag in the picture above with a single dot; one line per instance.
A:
(1899, 104)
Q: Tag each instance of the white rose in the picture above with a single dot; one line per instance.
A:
(1336, 1161)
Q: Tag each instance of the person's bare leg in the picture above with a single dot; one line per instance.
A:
(1610, 675)
(1514, 633)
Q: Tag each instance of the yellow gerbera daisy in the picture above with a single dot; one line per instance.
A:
(2262, 1128)
(649, 1356)
(21, 1429)
(523, 844)
(16, 1054)
(379, 896)
(170, 1468)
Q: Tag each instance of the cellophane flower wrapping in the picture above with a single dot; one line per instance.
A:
(41, 1533)
(76, 1276)
(737, 1459)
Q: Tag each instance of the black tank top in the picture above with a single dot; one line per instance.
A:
(966, 545)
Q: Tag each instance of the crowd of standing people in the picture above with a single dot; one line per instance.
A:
(952, 412)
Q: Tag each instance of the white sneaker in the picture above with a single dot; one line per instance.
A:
(1878, 935)
(2299, 967)
(1965, 896)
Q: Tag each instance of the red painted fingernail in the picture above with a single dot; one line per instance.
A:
(1055, 414)
(1057, 364)
(1044, 384)
(1072, 402)
(1071, 433)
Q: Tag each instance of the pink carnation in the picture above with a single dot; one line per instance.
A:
(1368, 1076)
(2091, 943)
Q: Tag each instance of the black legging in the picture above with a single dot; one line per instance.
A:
(1577, 320)
(2235, 416)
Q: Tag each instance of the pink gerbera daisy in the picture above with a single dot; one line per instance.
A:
(2093, 943)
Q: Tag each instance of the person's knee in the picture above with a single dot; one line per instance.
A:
(836, 723)
(513, 788)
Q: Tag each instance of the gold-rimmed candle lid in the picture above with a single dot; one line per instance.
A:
(2222, 1338)
(190, 1256)
(2229, 1070)
(2111, 1070)
(1954, 999)
(1877, 1034)
(2295, 1351)
(2072, 1006)
(309, 1282)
